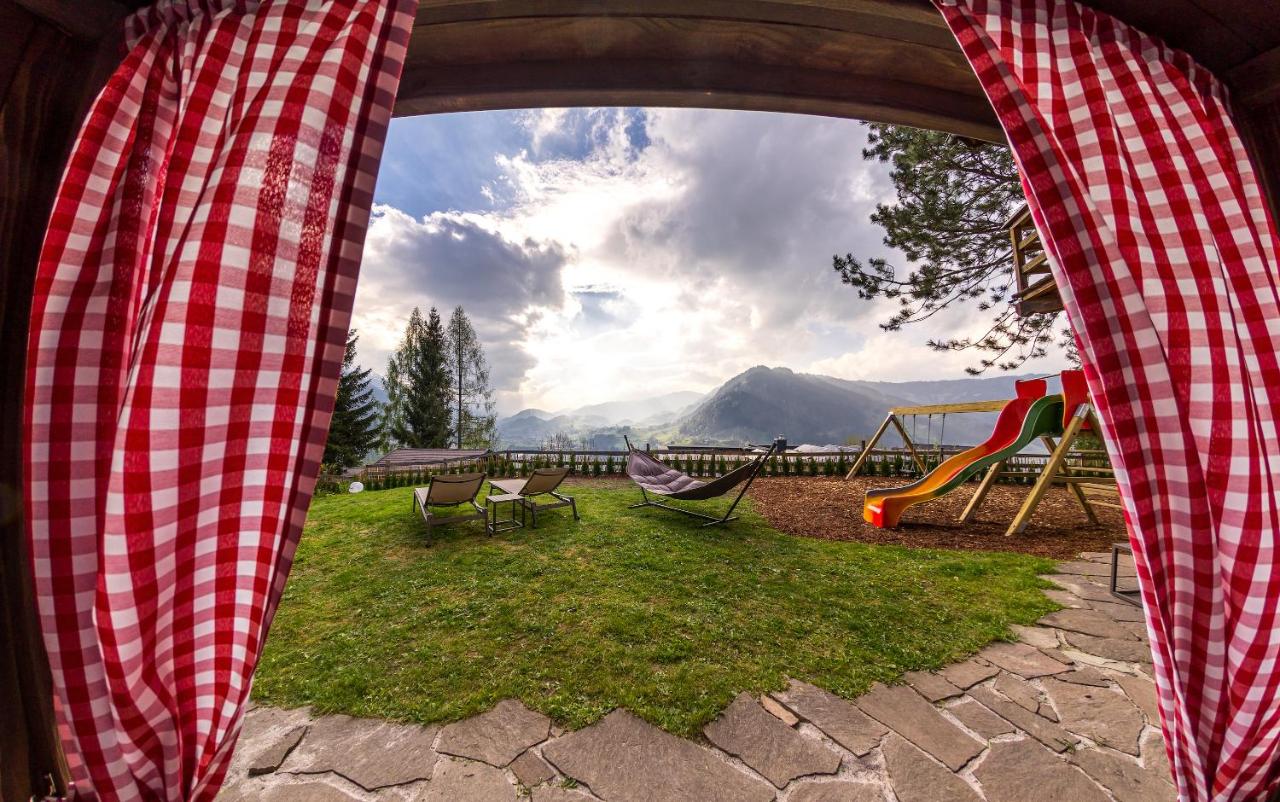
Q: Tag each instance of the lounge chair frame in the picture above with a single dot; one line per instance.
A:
(422, 501)
(710, 520)
(530, 502)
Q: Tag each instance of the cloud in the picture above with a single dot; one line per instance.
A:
(613, 253)
(448, 259)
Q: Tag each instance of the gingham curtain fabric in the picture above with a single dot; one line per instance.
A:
(1166, 257)
(187, 333)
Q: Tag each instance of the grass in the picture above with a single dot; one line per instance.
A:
(634, 608)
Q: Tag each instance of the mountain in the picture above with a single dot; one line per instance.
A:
(658, 409)
(601, 425)
(761, 403)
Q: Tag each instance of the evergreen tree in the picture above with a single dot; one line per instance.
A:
(418, 386)
(353, 432)
(955, 196)
(474, 419)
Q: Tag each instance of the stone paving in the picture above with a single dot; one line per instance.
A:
(1069, 712)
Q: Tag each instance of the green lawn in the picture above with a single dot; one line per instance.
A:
(635, 608)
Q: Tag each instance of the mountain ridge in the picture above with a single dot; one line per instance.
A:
(763, 402)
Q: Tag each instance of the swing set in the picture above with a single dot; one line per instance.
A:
(1092, 486)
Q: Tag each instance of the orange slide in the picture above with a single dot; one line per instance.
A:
(1023, 419)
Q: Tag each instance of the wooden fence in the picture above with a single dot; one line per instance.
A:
(887, 462)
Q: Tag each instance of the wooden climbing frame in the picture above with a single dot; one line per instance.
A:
(1090, 491)
(897, 413)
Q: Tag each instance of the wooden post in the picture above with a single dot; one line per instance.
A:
(1050, 470)
(867, 446)
(980, 495)
(1075, 486)
(910, 445)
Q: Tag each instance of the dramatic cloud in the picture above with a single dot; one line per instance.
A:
(612, 253)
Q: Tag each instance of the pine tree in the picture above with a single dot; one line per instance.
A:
(954, 198)
(418, 386)
(474, 420)
(353, 432)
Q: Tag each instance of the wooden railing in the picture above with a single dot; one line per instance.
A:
(1037, 291)
(887, 462)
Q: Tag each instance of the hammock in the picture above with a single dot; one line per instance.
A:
(653, 476)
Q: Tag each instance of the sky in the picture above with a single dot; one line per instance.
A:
(608, 254)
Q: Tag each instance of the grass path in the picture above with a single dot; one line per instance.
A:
(635, 608)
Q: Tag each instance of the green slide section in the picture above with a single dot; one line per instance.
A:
(885, 507)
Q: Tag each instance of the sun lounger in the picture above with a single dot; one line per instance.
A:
(447, 490)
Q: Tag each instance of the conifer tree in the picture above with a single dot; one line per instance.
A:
(353, 432)
(474, 420)
(954, 199)
(418, 386)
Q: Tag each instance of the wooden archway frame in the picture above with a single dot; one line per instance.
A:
(881, 60)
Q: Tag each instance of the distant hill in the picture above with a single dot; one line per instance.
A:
(601, 425)
(658, 409)
(761, 403)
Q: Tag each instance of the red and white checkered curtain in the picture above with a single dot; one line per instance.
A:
(187, 333)
(1167, 260)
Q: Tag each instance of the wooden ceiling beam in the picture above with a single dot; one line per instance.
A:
(88, 20)
(880, 60)
(689, 84)
(1256, 82)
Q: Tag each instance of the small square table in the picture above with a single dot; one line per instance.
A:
(492, 524)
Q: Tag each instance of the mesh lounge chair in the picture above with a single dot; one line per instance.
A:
(449, 491)
(653, 476)
(543, 482)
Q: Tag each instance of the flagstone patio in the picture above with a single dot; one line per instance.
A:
(1069, 712)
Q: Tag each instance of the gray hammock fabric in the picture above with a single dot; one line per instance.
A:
(662, 480)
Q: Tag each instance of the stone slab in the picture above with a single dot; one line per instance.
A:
(980, 719)
(1039, 637)
(623, 759)
(905, 712)
(969, 673)
(1026, 661)
(1024, 695)
(1040, 728)
(551, 793)
(1085, 675)
(916, 777)
(1103, 715)
(1082, 588)
(1018, 771)
(467, 781)
(931, 686)
(496, 736)
(836, 791)
(841, 721)
(1142, 692)
(1065, 598)
(1088, 622)
(530, 769)
(779, 753)
(305, 792)
(1120, 611)
(1125, 779)
(371, 754)
(1128, 651)
(778, 710)
(1091, 569)
(270, 758)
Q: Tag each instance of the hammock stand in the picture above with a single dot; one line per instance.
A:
(653, 476)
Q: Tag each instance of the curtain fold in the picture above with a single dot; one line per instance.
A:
(1166, 258)
(187, 333)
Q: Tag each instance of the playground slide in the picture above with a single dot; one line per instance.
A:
(1030, 415)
